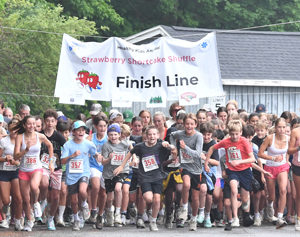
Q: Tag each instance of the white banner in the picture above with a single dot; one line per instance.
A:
(166, 69)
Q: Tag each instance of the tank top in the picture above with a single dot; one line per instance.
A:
(273, 151)
(31, 160)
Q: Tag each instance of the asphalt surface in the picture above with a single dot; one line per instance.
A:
(267, 230)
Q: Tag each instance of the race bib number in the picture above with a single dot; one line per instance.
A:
(45, 160)
(234, 154)
(173, 164)
(185, 158)
(117, 158)
(8, 166)
(149, 163)
(30, 161)
(76, 166)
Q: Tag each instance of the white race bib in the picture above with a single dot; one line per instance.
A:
(234, 154)
(149, 163)
(45, 160)
(185, 158)
(173, 164)
(30, 162)
(118, 158)
(8, 166)
(76, 166)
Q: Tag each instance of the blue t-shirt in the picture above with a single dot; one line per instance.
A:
(98, 144)
(79, 166)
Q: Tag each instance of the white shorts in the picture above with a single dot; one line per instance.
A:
(95, 173)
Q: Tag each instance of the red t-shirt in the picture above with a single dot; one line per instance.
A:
(236, 151)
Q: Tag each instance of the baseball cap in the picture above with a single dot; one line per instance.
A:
(114, 128)
(1, 118)
(95, 109)
(113, 114)
(260, 108)
(78, 124)
(127, 115)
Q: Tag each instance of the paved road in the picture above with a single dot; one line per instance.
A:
(132, 231)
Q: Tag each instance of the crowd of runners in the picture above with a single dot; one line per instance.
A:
(181, 170)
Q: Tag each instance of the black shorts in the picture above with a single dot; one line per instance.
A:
(110, 184)
(196, 179)
(74, 188)
(296, 170)
(226, 191)
(7, 176)
(259, 186)
(244, 177)
(63, 177)
(134, 182)
(204, 181)
(154, 187)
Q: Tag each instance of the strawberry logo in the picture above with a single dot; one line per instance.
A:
(88, 80)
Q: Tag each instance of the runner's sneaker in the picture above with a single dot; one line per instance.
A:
(118, 220)
(140, 224)
(145, 217)
(37, 210)
(28, 226)
(4, 224)
(93, 217)
(169, 221)
(220, 223)
(99, 222)
(81, 220)
(270, 214)
(153, 226)
(18, 225)
(76, 226)
(109, 218)
(280, 223)
(160, 220)
(123, 219)
(235, 222)
(228, 226)
(182, 214)
(207, 223)
(50, 224)
(193, 225)
(247, 220)
(200, 219)
(86, 212)
(60, 222)
(257, 221)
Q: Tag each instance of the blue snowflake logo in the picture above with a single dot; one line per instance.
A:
(204, 45)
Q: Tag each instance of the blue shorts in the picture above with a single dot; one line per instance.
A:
(128, 178)
(244, 177)
(7, 176)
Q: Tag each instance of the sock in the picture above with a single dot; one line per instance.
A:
(118, 210)
(153, 219)
(84, 204)
(111, 208)
(207, 215)
(123, 212)
(193, 218)
(280, 215)
(256, 215)
(50, 218)
(61, 210)
(43, 204)
(185, 206)
(270, 204)
(76, 217)
(201, 211)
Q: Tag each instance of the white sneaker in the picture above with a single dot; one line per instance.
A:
(297, 224)
(123, 218)
(145, 217)
(270, 214)
(51, 225)
(109, 218)
(118, 220)
(4, 224)
(235, 222)
(257, 221)
(280, 223)
(153, 226)
(81, 220)
(28, 226)
(86, 212)
(76, 226)
(182, 214)
(37, 210)
(193, 225)
(18, 225)
(60, 222)
(140, 224)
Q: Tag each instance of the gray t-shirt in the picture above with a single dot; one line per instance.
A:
(120, 150)
(189, 157)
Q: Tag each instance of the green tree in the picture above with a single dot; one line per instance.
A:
(29, 60)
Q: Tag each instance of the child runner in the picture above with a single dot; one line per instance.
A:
(76, 154)
(190, 143)
(239, 156)
(152, 153)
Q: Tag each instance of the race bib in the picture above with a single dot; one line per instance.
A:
(76, 166)
(8, 166)
(117, 158)
(234, 154)
(45, 160)
(149, 163)
(185, 158)
(30, 162)
(173, 164)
